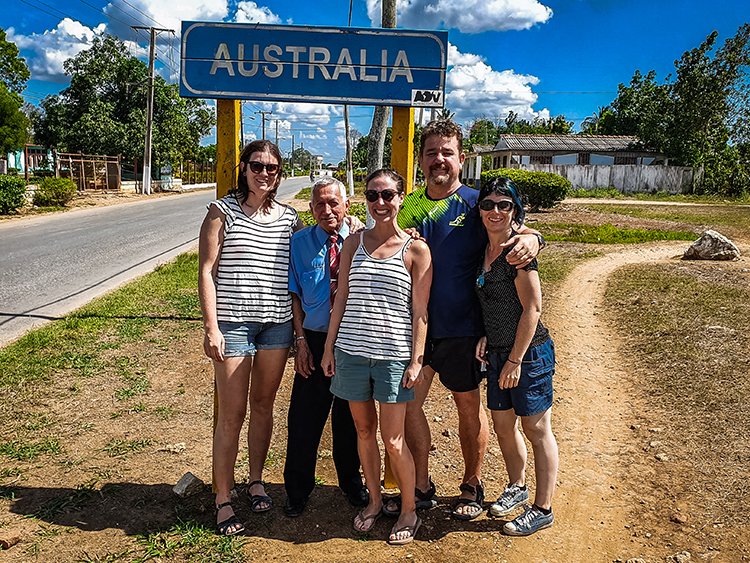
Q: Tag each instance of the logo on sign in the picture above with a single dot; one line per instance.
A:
(428, 98)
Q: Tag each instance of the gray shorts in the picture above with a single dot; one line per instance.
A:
(359, 378)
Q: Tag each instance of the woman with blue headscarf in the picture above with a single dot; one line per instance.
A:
(519, 357)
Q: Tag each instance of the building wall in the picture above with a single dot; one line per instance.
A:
(627, 178)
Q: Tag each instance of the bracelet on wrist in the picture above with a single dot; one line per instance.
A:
(297, 339)
(513, 362)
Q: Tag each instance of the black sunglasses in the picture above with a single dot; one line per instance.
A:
(257, 167)
(489, 205)
(373, 195)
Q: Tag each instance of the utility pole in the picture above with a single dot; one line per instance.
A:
(146, 185)
(263, 120)
(291, 157)
(277, 131)
(242, 128)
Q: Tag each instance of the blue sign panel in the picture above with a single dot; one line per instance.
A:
(393, 67)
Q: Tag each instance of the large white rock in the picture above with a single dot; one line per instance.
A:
(712, 246)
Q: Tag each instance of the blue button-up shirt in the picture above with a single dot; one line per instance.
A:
(310, 276)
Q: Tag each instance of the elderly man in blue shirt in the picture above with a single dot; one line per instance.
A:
(313, 279)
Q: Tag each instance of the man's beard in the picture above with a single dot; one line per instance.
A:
(440, 176)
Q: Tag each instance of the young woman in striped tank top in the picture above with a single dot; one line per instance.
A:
(247, 312)
(378, 329)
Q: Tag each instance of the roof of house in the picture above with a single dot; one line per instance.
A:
(481, 148)
(572, 143)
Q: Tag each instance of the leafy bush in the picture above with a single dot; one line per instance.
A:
(541, 189)
(12, 194)
(54, 192)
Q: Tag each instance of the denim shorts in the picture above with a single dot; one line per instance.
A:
(533, 394)
(246, 338)
(360, 379)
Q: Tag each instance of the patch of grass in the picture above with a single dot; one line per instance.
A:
(687, 336)
(607, 234)
(599, 193)
(7, 472)
(37, 421)
(304, 193)
(140, 407)
(319, 481)
(557, 261)
(119, 447)
(26, 451)
(110, 557)
(73, 500)
(703, 215)
(165, 412)
(614, 193)
(190, 541)
(135, 385)
(8, 493)
(272, 459)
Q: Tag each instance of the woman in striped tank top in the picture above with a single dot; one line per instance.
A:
(247, 317)
(376, 342)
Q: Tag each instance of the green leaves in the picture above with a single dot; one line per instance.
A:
(103, 109)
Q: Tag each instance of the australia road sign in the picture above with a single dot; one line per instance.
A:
(368, 66)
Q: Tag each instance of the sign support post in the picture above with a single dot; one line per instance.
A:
(402, 147)
(227, 145)
(227, 163)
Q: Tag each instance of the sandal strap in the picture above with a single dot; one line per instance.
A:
(257, 482)
(468, 488)
(428, 494)
(223, 504)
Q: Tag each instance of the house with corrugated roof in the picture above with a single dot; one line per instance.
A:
(588, 161)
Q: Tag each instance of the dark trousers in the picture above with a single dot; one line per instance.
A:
(309, 407)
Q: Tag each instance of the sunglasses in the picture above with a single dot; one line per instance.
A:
(373, 195)
(489, 205)
(258, 167)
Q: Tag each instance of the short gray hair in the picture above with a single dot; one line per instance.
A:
(329, 181)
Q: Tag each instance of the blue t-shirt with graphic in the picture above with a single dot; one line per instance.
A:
(457, 239)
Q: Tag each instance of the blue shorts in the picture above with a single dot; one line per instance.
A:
(533, 394)
(245, 339)
(360, 379)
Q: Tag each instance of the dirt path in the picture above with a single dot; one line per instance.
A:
(592, 416)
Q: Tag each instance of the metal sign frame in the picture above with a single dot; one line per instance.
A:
(364, 66)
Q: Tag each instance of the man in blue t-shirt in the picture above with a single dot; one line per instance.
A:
(312, 401)
(446, 215)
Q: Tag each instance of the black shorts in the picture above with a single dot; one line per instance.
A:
(453, 360)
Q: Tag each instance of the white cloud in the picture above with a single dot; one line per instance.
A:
(469, 16)
(48, 51)
(474, 89)
(250, 12)
(169, 15)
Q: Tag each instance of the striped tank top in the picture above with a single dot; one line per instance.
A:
(377, 319)
(252, 276)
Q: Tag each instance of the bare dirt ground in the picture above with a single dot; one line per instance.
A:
(90, 505)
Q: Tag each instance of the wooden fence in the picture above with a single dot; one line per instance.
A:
(89, 172)
(627, 178)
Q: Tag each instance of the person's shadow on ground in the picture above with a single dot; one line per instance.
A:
(142, 509)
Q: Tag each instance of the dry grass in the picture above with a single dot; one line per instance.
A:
(686, 327)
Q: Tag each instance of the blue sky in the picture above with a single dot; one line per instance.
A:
(535, 57)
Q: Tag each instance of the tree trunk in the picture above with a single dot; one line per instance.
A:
(376, 138)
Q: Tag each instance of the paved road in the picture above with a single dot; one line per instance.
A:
(51, 265)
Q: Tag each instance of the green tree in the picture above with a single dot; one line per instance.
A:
(699, 118)
(103, 109)
(14, 124)
(13, 70)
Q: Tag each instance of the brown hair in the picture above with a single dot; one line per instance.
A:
(441, 128)
(389, 173)
(242, 188)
